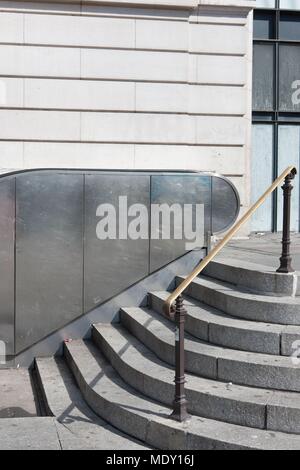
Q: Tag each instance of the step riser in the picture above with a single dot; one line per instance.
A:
(233, 338)
(283, 418)
(42, 391)
(263, 282)
(254, 310)
(256, 375)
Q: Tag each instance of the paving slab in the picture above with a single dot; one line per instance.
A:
(263, 248)
(78, 427)
(17, 399)
(37, 433)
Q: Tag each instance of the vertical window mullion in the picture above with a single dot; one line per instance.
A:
(276, 108)
(275, 174)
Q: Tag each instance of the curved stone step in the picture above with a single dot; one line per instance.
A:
(116, 402)
(241, 405)
(252, 276)
(215, 327)
(240, 367)
(78, 426)
(243, 304)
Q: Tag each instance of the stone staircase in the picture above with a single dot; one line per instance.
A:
(242, 385)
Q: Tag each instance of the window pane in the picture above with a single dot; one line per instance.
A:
(263, 26)
(290, 26)
(288, 4)
(288, 154)
(263, 77)
(289, 78)
(263, 116)
(266, 3)
(294, 117)
(261, 175)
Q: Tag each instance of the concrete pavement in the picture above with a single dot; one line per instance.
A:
(263, 249)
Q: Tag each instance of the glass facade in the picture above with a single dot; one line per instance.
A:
(276, 105)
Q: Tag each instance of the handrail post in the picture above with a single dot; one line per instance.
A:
(180, 402)
(286, 259)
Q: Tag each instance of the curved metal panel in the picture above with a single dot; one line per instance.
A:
(49, 245)
(63, 267)
(225, 204)
(182, 190)
(112, 265)
(7, 238)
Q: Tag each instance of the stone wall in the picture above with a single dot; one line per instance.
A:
(163, 84)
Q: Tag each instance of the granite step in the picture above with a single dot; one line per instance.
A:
(244, 304)
(213, 326)
(246, 406)
(131, 412)
(78, 426)
(253, 276)
(215, 362)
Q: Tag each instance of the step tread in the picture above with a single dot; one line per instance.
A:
(139, 357)
(234, 291)
(202, 311)
(100, 384)
(81, 427)
(254, 268)
(248, 265)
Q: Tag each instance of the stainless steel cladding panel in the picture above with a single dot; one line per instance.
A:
(49, 264)
(225, 204)
(7, 229)
(112, 265)
(177, 189)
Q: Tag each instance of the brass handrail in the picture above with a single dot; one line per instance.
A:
(184, 284)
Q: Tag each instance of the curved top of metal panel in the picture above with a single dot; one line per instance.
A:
(217, 228)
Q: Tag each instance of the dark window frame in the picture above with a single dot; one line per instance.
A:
(276, 117)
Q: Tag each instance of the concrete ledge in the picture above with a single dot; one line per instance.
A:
(180, 4)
